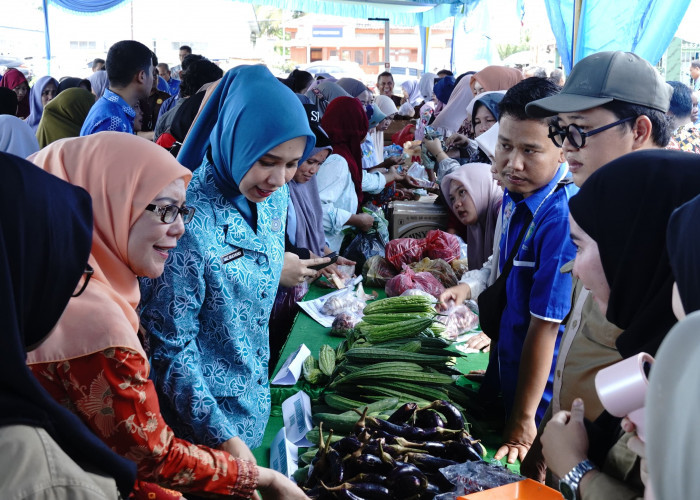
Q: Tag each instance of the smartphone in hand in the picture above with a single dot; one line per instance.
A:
(333, 256)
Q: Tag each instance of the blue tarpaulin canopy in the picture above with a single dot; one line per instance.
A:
(583, 27)
(580, 27)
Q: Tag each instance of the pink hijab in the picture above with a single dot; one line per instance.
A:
(121, 186)
(496, 78)
(487, 197)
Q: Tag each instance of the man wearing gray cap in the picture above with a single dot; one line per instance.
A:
(612, 104)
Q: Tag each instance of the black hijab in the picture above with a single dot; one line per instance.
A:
(70, 82)
(44, 247)
(8, 101)
(625, 207)
(683, 243)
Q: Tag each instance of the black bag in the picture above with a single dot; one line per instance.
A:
(362, 247)
(493, 300)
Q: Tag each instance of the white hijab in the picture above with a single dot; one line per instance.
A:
(453, 114)
(16, 137)
(671, 412)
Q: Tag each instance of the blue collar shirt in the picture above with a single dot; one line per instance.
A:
(109, 113)
(535, 286)
(173, 87)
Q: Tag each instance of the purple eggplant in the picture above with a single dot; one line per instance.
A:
(347, 445)
(336, 467)
(428, 419)
(369, 491)
(427, 462)
(407, 485)
(453, 417)
(437, 479)
(368, 477)
(403, 414)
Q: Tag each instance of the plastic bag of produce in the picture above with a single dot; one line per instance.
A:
(362, 247)
(404, 251)
(458, 320)
(344, 302)
(409, 280)
(377, 272)
(438, 268)
(344, 323)
(415, 292)
(460, 266)
(441, 245)
(472, 477)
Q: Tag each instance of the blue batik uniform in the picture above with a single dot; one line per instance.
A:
(535, 286)
(109, 113)
(208, 315)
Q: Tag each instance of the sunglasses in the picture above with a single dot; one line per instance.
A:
(576, 136)
(169, 213)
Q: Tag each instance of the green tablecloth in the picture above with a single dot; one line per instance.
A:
(307, 331)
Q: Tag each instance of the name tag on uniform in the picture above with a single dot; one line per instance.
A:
(229, 257)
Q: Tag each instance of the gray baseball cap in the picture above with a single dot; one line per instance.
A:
(604, 77)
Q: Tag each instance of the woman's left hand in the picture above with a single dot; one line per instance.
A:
(333, 268)
(564, 441)
(637, 446)
(295, 270)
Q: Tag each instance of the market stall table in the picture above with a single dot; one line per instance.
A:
(307, 331)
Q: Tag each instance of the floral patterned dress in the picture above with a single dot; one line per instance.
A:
(111, 392)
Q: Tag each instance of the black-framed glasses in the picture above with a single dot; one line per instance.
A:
(576, 136)
(168, 213)
(84, 279)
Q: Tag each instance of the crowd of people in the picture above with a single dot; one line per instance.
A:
(144, 317)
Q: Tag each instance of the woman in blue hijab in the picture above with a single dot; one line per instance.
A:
(208, 314)
(40, 94)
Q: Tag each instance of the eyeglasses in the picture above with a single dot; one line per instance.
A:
(576, 136)
(168, 213)
(84, 279)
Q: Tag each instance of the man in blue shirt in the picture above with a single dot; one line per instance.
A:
(130, 72)
(538, 295)
(173, 83)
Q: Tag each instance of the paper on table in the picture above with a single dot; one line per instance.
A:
(313, 307)
(296, 413)
(291, 369)
(284, 455)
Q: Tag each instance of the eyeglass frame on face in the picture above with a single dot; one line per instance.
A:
(186, 212)
(565, 132)
(89, 271)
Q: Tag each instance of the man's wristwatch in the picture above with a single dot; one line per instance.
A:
(568, 485)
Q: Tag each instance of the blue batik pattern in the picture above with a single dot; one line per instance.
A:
(109, 113)
(208, 316)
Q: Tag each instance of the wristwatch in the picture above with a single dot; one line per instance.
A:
(568, 485)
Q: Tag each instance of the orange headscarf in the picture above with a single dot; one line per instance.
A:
(122, 173)
(496, 78)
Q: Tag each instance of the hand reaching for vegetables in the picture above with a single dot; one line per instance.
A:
(457, 294)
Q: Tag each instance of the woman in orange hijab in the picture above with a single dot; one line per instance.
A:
(94, 362)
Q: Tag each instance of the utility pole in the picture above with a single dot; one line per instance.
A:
(387, 44)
